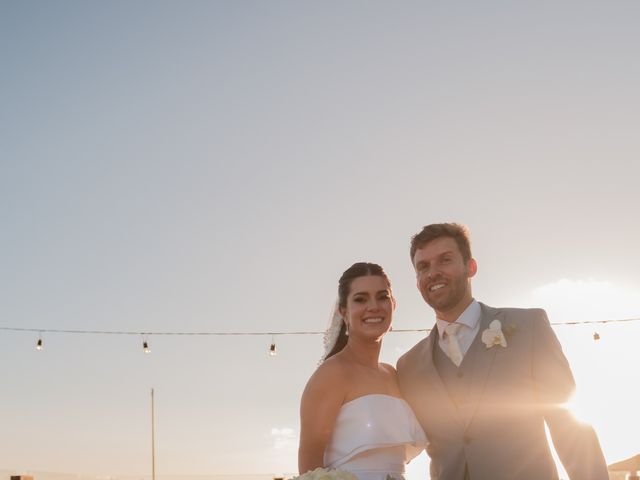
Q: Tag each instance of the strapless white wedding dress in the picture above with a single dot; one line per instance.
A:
(374, 436)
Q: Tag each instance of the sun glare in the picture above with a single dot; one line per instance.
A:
(580, 408)
(602, 355)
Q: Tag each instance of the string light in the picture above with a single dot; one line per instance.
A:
(168, 333)
(272, 347)
(145, 345)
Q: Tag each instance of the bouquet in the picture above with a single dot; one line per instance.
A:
(326, 474)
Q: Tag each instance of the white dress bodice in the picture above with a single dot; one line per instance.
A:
(374, 436)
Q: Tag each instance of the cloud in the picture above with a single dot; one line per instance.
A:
(589, 299)
(284, 437)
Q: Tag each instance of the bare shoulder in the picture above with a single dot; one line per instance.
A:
(391, 373)
(389, 369)
(330, 376)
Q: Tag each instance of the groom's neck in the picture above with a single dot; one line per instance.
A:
(454, 313)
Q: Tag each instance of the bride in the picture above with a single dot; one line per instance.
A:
(353, 417)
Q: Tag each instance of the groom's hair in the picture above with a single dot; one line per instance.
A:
(458, 232)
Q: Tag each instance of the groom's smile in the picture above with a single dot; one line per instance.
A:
(437, 286)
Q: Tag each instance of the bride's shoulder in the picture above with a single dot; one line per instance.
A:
(390, 369)
(328, 384)
(332, 372)
(334, 369)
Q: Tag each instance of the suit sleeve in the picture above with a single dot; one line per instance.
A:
(552, 375)
(576, 443)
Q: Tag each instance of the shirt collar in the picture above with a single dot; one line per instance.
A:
(469, 318)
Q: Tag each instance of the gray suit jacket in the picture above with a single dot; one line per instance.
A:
(500, 434)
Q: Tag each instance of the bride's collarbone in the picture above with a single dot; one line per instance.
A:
(367, 381)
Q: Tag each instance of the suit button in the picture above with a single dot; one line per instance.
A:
(460, 374)
(466, 439)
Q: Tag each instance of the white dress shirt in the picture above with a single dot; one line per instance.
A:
(470, 321)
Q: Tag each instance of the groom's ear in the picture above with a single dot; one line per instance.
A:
(472, 267)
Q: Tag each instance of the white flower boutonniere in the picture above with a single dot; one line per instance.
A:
(493, 335)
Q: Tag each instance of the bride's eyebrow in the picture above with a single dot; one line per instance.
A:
(360, 293)
(386, 290)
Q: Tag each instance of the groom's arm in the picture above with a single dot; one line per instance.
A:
(576, 443)
(577, 446)
(552, 375)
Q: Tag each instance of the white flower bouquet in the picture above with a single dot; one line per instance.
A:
(325, 474)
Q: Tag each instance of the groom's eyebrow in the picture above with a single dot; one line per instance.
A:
(422, 263)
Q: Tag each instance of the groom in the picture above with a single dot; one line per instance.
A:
(486, 380)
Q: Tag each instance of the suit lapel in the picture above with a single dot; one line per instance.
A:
(432, 380)
(483, 362)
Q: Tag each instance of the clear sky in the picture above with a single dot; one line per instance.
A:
(215, 166)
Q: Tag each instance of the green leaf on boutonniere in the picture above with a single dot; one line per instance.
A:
(509, 330)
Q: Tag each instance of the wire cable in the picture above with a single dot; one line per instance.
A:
(170, 333)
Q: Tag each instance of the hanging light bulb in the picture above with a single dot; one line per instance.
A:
(39, 344)
(145, 347)
(272, 348)
(596, 336)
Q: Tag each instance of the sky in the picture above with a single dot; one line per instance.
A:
(215, 166)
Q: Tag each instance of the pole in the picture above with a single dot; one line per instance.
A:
(153, 439)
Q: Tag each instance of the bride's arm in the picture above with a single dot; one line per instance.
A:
(321, 402)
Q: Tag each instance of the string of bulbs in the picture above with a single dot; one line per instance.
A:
(272, 347)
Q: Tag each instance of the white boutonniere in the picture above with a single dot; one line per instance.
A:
(493, 335)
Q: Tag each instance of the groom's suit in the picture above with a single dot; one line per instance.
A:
(484, 420)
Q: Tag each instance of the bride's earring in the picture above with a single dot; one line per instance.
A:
(346, 328)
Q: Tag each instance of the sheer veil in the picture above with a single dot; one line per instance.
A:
(333, 331)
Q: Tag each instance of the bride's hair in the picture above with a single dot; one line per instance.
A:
(360, 269)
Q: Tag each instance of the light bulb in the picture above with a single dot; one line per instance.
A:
(272, 350)
(145, 347)
(39, 344)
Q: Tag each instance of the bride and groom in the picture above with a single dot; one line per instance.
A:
(476, 392)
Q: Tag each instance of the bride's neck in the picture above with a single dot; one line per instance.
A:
(365, 354)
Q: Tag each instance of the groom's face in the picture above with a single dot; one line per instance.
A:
(443, 277)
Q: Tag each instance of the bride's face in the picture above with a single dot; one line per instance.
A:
(370, 306)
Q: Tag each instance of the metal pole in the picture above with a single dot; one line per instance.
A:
(153, 440)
